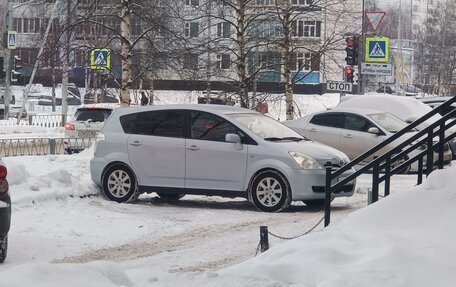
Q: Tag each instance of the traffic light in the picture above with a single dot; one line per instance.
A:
(352, 50)
(2, 68)
(17, 65)
(349, 74)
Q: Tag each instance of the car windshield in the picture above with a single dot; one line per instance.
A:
(388, 122)
(266, 127)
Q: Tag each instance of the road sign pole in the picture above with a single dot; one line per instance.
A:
(7, 96)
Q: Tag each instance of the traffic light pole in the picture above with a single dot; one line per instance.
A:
(361, 49)
(7, 95)
(7, 62)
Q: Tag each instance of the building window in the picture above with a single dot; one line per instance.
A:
(192, 2)
(190, 61)
(265, 28)
(265, 2)
(28, 56)
(191, 29)
(301, 2)
(304, 62)
(223, 61)
(310, 29)
(224, 30)
(136, 27)
(267, 62)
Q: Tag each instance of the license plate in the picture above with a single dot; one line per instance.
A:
(87, 134)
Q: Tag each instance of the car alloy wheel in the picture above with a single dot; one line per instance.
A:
(119, 184)
(270, 191)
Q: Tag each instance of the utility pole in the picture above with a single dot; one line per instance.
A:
(37, 62)
(66, 62)
(399, 50)
(7, 61)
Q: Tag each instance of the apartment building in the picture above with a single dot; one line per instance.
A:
(196, 40)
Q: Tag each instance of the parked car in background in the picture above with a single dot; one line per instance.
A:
(406, 108)
(102, 97)
(435, 102)
(81, 132)
(210, 150)
(402, 90)
(355, 131)
(5, 211)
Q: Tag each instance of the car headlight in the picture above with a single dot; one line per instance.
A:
(305, 161)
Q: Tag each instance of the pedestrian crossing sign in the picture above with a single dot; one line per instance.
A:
(377, 50)
(11, 40)
(100, 59)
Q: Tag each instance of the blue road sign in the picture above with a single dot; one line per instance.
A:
(11, 40)
(377, 50)
(100, 59)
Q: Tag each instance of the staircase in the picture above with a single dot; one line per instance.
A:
(382, 168)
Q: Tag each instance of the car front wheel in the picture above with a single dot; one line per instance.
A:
(3, 248)
(270, 191)
(119, 184)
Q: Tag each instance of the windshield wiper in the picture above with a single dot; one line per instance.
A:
(274, 139)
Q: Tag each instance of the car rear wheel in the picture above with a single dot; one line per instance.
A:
(3, 248)
(270, 191)
(119, 184)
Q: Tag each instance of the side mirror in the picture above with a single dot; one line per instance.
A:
(234, 138)
(373, 130)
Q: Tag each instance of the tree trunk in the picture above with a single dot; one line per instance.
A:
(286, 71)
(126, 53)
(242, 56)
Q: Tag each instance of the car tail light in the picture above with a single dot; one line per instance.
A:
(69, 127)
(3, 171)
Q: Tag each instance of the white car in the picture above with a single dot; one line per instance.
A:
(82, 131)
(406, 108)
(355, 131)
(211, 150)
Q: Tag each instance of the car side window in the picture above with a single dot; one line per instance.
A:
(206, 126)
(333, 120)
(166, 123)
(128, 123)
(357, 123)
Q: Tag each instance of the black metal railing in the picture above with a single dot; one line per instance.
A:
(382, 164)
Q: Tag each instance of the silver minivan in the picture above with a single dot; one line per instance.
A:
(211, 150)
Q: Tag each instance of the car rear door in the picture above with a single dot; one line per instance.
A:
(157, 149)
(211, 162)
(325, 128)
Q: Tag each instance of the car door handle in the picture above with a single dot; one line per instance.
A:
(348, 136)
(136, 143)
(313, 130)
(193, 147)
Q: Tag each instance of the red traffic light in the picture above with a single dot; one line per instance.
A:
(350, 41)
(349, 70)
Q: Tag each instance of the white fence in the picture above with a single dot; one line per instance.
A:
(47, 121)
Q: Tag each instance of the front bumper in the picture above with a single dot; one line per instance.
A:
(310, 184)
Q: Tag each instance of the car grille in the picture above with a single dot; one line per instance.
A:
(335, 163)
(343, 189)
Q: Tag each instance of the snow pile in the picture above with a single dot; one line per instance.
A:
(406, 239)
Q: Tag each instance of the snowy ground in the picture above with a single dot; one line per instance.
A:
(65, 234)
